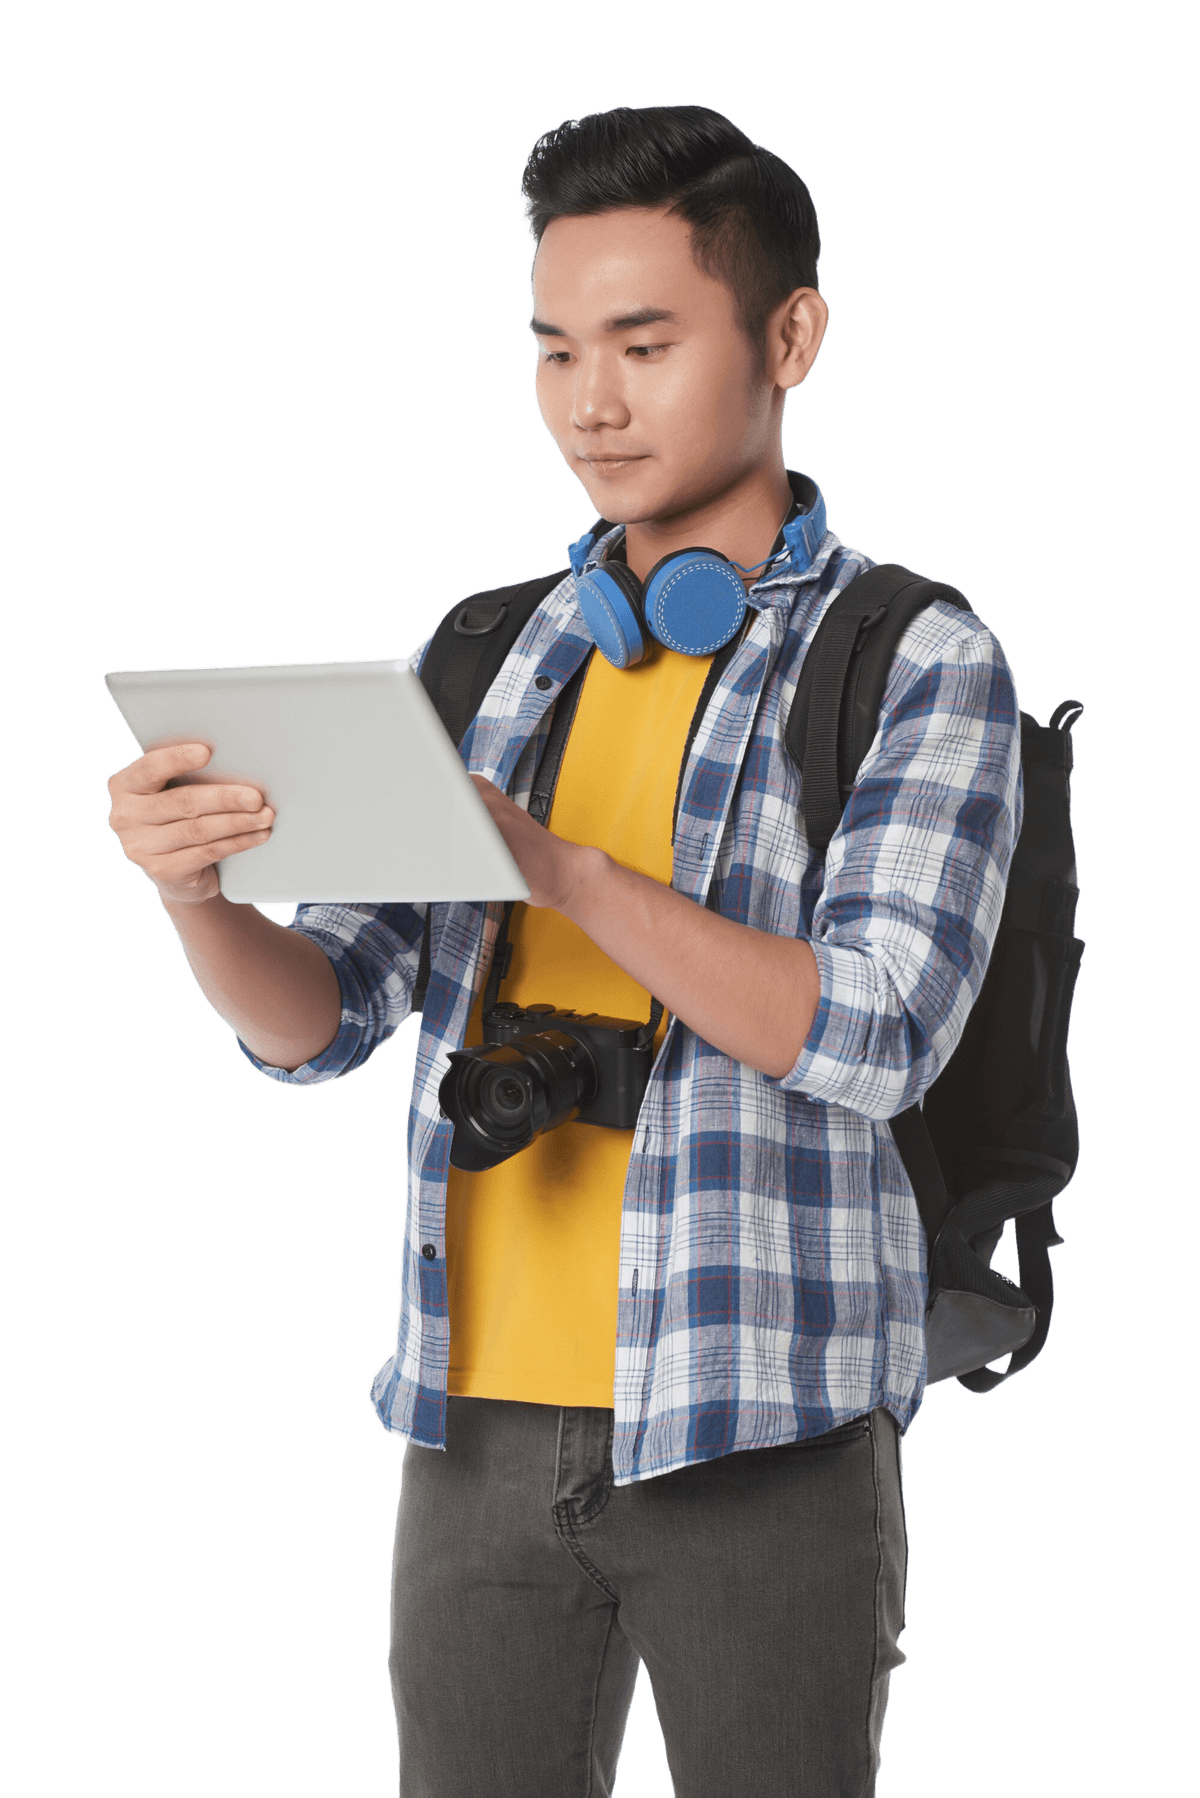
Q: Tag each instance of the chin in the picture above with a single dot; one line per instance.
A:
(632, 495)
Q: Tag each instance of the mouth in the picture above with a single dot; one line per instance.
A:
(611, 464)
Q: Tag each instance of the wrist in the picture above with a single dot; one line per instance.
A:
(586, 872)
(184, 904)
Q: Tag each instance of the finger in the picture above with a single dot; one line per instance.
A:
(143, 841)
(151, 772)
(184, 862)
(193, 801)
(492, 797)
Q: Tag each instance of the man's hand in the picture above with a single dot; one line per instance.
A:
(552, 867)
(750, 994)
(274, 985)
(177, 833)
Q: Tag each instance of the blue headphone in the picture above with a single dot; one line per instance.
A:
(692, 600)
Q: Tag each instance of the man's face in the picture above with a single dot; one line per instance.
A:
(646, 378)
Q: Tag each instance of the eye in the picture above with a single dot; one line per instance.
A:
(556, 356)
(645, 350)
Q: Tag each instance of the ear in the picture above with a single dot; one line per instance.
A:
(794, 333)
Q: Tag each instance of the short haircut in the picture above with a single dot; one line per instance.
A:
(752, 220)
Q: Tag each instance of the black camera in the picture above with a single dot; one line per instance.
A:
(537, 1068)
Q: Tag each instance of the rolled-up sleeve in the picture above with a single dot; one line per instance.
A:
(915, 873)
(374, 951)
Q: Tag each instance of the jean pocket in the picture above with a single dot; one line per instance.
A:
(838, 1437)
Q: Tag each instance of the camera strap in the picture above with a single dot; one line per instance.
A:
(545, 781)
(501, 957)
(646, 1033)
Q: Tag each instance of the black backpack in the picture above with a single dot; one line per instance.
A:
(995, 1139)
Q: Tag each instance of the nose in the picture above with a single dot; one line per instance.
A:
(598, 399)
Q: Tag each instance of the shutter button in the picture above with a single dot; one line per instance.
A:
(542, 682)
(429, 1252)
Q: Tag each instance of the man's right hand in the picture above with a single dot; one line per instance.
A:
(273, 984)
(176, 834)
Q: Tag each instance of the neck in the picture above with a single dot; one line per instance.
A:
(741, 520)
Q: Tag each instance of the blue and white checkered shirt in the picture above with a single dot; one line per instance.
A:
(772, 1278)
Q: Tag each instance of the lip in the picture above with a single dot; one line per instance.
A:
(609, 464)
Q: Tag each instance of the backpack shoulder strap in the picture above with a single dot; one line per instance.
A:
(467, 650)
(465, 654)
(835, 711)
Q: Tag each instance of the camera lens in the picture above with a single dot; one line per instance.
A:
(501, 1095)
(501, 1101)
(505, 1096)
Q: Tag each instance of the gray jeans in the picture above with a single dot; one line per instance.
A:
(764, 1590)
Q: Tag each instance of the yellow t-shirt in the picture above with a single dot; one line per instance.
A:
(532, 1246)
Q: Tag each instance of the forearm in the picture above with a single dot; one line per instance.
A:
(748, 993)
(275, 986)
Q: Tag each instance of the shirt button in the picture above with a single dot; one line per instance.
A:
(542, 682)
(429, 1252)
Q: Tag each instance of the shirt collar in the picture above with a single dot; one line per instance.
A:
(802, 534)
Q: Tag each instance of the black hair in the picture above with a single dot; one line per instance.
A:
(752, 219)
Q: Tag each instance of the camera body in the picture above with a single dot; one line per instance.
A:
(622, 1068)
(538, 1067)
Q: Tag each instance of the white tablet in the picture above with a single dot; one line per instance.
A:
(372, 800)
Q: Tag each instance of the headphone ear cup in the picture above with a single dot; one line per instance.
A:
(694, 601)
(610, 598)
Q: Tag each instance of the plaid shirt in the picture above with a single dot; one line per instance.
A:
(772, 1277)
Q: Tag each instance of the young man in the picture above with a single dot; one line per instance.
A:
(668, 1366)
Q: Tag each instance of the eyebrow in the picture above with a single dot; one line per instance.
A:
(625, 321)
